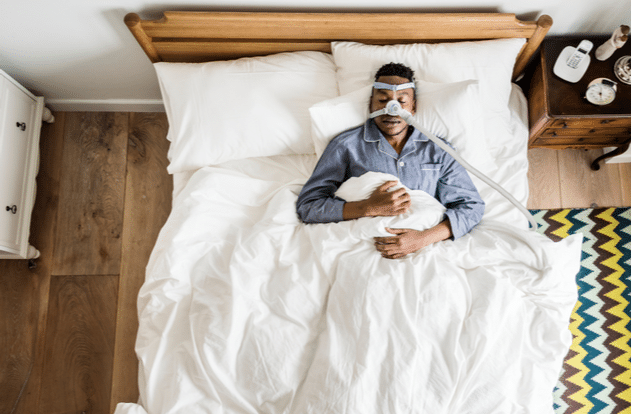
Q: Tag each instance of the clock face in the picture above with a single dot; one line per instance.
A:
(600, 94)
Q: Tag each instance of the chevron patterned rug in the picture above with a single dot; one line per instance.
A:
(595, 378)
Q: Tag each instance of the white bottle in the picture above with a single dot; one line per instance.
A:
(618, 39)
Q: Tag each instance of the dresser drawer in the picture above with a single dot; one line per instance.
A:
(591, 123)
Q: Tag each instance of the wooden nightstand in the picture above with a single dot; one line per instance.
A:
(559, 115)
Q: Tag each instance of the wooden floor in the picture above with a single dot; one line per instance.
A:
(67, 328)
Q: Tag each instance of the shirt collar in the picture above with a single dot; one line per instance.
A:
(373, 134)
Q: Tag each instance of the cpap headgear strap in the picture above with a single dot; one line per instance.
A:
(382, 85)
(392, 107)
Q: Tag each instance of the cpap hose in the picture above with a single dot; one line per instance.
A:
(394, 108)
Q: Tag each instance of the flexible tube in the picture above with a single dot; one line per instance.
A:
(394, 108)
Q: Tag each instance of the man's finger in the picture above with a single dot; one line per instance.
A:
(395, 231)
(385, 240)
(387, 185)
(400, 192)
(403, 206)
(393, 255)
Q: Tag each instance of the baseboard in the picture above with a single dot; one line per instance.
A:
(105, 105)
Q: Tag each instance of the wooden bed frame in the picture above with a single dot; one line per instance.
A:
(208, 36)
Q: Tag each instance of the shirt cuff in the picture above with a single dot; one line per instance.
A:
(327, 211)
(457, 224)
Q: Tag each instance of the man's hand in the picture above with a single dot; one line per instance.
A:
(380, 203)
(406, 241)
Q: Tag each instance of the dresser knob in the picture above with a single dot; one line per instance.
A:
(21, 125)
(13, 209)
(605, 121)
(564, 125)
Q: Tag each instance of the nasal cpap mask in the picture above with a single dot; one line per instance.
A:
(388, 110)
(394, 108)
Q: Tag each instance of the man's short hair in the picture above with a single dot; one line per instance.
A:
(396, 69)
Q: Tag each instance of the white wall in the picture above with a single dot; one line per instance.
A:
(81, 52)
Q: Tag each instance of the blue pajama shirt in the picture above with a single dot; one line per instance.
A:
(422, 165)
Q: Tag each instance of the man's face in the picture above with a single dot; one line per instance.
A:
(392, 125)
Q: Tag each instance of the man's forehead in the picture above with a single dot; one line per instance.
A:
(408, 91)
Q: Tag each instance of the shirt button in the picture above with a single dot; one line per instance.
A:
(401, 164)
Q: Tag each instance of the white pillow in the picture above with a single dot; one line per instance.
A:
(491, 62)
(249, 107)
(449, 110)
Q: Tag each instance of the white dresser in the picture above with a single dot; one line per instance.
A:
(21, 115)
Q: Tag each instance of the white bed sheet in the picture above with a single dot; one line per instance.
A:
(246, 310)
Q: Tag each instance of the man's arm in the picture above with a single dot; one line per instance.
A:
(406, 241)
(316, 203)
(457, 192)
(381, 202)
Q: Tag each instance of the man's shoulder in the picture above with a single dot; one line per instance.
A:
(431, 145)
(350, 136)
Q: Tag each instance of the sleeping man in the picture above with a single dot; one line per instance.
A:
(389, 145)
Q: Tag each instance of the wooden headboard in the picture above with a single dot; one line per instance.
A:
(208, 36)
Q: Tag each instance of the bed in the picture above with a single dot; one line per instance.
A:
(247, 310)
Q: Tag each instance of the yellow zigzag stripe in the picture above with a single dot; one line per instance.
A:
(576, 320)
(576, 362)
(617, 295)
(560, 217)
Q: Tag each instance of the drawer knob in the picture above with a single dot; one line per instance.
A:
(564, 125)
(13, 209)
(605, 121)
(21, 125)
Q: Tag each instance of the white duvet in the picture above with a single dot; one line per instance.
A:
(247, 310)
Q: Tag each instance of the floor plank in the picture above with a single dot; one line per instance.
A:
(624, 173)
(77, 370)
(42, 236)
(92, 195)
(543, 175)
(582, 187)
(147, 205)
(18, 330)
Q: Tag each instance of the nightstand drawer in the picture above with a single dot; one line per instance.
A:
(590, 123)
(576, 132)
(603, 141)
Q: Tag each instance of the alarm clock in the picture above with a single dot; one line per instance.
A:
(601, 91)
